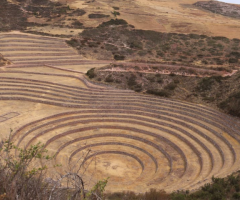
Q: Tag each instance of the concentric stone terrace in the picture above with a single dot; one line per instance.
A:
(139, 141)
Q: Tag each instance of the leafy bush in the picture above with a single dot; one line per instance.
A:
(162, 93)
(110, 47)
(232, 104)
(90, 73)
(115, 13)
(72, 42)
(233, 60)
(170, 86)
(77, 24)
(205, 84)
(132, 80)
(119, 57)
(142, 53)
(113, 22)
(109, 79)
(94, 16)
(150, 195)
(19, 179)
(136, 44)
(235, 54)
(23, 176)
(79, 12)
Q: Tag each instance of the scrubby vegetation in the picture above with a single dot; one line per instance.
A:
(213, 90)
(93, 16)
(232, 104)
(16, 16)
(23, 177)
(156, 84)
(220, 189)
(151, 195)
(117, 40)
(11, 17)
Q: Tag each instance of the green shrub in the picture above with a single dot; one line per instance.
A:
(194, 36)
(142, 53)
(162, 93)
(172, 74)
(119, 57)
(153, 194)
(79, 12)
(135, 44)
(113, 22)
(77, 24)
(109, 78)
(115, 13)
(116, 8)
(72, 42)
(233, 60)
(94, 16)
(235, 54)
(19, 178)
(110, 47)
(205, 84)
(132, 80)
(90, 73)
(159, 80)
(92, 44)
(232, 104)
(209, 99)
(236, 196)
(170, 86)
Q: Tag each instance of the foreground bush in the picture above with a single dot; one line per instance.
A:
(232, 104)
(19, 177)
(221, 189)
(22, 177)
(150, 195)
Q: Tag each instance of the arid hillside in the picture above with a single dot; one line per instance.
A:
(183, 16)
(180, 16)
(117, 40)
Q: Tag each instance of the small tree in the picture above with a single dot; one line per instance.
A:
(115, 13)
(23, 176)
(19, 177)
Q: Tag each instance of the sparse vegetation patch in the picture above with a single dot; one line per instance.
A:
(149, 46)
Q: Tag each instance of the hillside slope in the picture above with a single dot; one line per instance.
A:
(215, 91)
(229, 10)
(180, 16)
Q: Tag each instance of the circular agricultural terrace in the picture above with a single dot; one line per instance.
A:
(139, 141)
